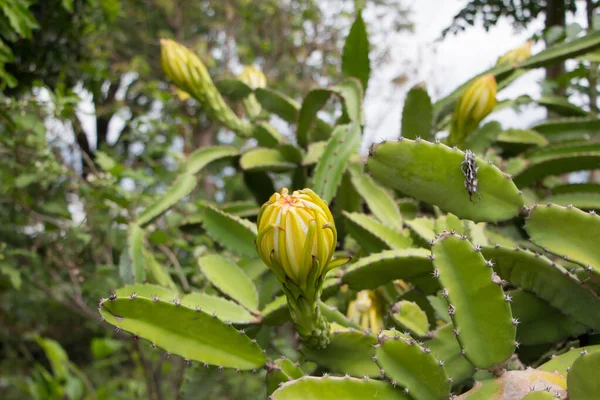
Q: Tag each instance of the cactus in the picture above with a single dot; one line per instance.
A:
(558, 229)
(373, 235)
(230, 279)
(281, 371)
(409, 316)
(539, 395)
(350, 352)
(422, 169)
(205, 155)
(581, 379)
(417, 114)
(136, 271)
(344, 141)
(179, 330)
(182, 187)
(563, 363)
(568, 128)
(480, 312)
(445, 347)
(313, 388)
(262, 159)
(225, 310)
(412, 367)
(380, 268)
(379, 201)
(234, 233)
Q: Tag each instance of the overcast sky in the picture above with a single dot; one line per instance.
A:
(445, 65)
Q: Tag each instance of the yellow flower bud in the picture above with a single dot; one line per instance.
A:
(517, 55)
(476, 102)
(253, 77)
(367, 310)
(189, 73)
(294, 231)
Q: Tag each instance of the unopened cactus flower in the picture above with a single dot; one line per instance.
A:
(367, 310)
(190, 74)
(296, 240)
(476, 102)
(518, 55)
(254, 78)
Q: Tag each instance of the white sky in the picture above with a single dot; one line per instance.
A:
(443, 66)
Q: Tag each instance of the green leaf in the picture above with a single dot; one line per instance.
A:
(477, 304)
(314, 152)
(562, 363)
(561, 106)
(156, 273)
(355, 55)
(433, 173)
(233, 232)
(146, 290)
(205, 155)
(188, 333)
(335, 388)
(344, 142)
(283, 370)
(182, 187)
(479, 141)
(379, 201)
(230, 279)
(19, 17)
(569, 128)
(14, 275)
(313, 102)
(224, 309)
(445, 347)
(278, 104)
(59, 360)
(233, 88)
(417, 114)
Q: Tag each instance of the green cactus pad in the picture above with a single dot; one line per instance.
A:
(480, 140)
(380, 202)
(314, 152)
(191, 334)
(449, 223)
(372, 235)
(417, 114)
(205, 155)
(380, 268)
(156, 273)
(231, 231)
(486, 330)
(445, 347)
(253, 267)
(412, 367)
(276, 312)
(582, 380)
(550, 282)
(332, 314)
(278, 103)
(539, 395)
(561, 106)
(264, 159)
(559, 230)
(540, 322)
(514, 141)
(230, 279)
(512, 385)
(409, 316)
(135, 252)
(433, 173)
(182, 187)
(336, 388)
(563, 362)
(344, 142)
(556, 165)
(282, 370)
(422, 227)
(266, 135)
(349, 352)
(224, 309)
(582, 200)
(576, 188)
(242, 209)
(148, 291)
(568, 128)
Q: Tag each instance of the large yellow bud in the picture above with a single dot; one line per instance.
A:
(516, 56)
(367, 310)
(189, 73)
(254, 78)
(296, 239)
(476, 102)
(294, 231)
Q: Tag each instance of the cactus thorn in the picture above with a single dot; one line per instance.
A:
(463, 352)
(436, 273)
(168, 354)
(155, 299)
(477, 248)
(325, 374)
(366, 378)
(112, 297)
(455, 331)
(445, 293)
(133, 296)
(153, 345)
(176, 302)
(489, 263)
(220, 368)
(515, 321)
(205, 365)
(507, 298)
(346, 376)
(449, 380)
(583, 352)
(451, 309)
(517, 344)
